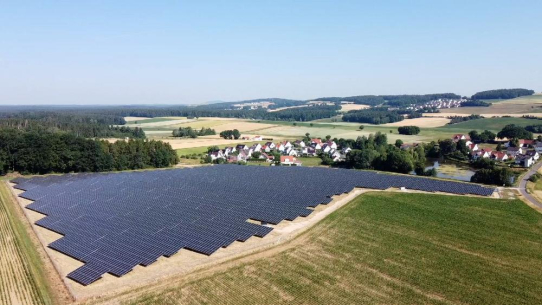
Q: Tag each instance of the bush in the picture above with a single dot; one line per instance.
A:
(409, 130)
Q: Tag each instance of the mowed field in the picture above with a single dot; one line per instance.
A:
(22, 281)
(388, 248)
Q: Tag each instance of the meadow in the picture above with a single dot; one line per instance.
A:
(389, 248)
(22, 280)
(493, 124)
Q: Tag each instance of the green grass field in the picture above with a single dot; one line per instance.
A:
(493, 124)
(391, 248)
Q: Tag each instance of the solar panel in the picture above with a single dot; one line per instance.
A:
(115, 221)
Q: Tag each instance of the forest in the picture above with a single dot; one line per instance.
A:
(87, 125)
(373, 116)
(501, 94)
(32, 152)
(475, 103)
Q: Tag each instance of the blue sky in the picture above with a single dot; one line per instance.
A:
(178, 52)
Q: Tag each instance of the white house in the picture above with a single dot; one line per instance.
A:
(280, 147)
(326, 148)
(216, 155)
(256, 147)
(499, 156)
(514, 151)
(316, 146)
(257, 138)
(270, 145)
(336, 156)
(287, 144)
(292, 152)
(309, 151)
(229, 150)
(241, 147)
(534, 154)
(525, 161)
(346, 150)
(289, 160)
(299, 143)
(332, 144)
(473, 147)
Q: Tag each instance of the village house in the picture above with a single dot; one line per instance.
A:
(299, 143)
(331, 144)
(316, 141)
(217, 155)
(499, 156)
(458, 137)
(270, 145)
(534, 154)
(346, 150)
(525, 161)
(287, 144)
(257, 138)
(229, 150)
(280, 147)
(514, 151)
(290, 161)
(538, 147)
(326, 148)
(473, 147)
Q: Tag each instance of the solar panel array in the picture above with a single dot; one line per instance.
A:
(116, 221)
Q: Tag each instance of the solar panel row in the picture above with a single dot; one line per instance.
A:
(114, 222)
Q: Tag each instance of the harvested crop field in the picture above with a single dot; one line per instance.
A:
(421, 122)
(348, 107)
(388, 248)
(21, 280)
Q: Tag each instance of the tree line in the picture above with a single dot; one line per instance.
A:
(501, 94)
(458, 119)
(31, 152)
(230, 134)
(189, 132)
(81, 124)
(372, 116)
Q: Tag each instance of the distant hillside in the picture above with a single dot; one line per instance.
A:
(391, 100)
(502, 94)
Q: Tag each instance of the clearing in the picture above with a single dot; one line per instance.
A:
(348, 107)
(386, 248)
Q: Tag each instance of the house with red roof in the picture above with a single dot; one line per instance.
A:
(289, 161)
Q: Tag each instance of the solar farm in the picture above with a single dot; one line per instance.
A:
(114, 222)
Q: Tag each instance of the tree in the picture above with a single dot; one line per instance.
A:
(361, 127)
(256, 154)
(447, 147)
(236, 134)
(213, 148)
(513, 131)
(328, 137)
(295, 124)
(399, 161)
(361, 159)
(398, 143)
(409, 130)
(311, 124)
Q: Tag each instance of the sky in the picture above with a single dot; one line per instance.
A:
(190, 52)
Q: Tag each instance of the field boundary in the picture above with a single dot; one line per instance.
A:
(44, 272)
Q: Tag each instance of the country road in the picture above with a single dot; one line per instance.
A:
(523, 185)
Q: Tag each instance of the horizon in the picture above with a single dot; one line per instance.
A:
(136, 53)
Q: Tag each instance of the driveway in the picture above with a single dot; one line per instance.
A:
(523, 185)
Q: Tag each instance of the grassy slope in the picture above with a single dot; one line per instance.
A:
(494, 124)
(36, 278)
(392, 248)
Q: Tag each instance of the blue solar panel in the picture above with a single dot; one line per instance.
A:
(113, 222)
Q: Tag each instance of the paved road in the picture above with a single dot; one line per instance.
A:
(523, 185)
